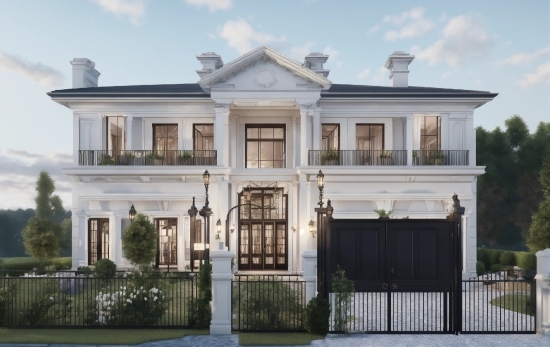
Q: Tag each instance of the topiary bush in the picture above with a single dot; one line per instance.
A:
(480, 268)
(202, 313)
(494, 256)
(526, 260)
(105, 268)
(316, 316)
(507, 258)
(496, 268)
(483, 256)
(139, 241)
(343, 289)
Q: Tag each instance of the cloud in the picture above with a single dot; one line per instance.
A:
(241, 36)
(381, 74)
(213, 5)
(134, 9)
(524, 58)
(541, 76)
(445, 75)
(36, 72)
(478, 82)
(332, 56)
(211, 36)
(364, 74)
(412, 24)
(463, 37)
(19, 171)
(299, 52)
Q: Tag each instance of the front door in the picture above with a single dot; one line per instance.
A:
(263, 230)
(167, 242)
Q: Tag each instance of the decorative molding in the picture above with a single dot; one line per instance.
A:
(429, 107)
(148, 106)
(264, 77)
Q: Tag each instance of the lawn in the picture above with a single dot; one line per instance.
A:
(520, 303)
(276, 339)
(93, 336)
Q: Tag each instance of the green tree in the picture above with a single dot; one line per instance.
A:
(139, 241)
(539, 232)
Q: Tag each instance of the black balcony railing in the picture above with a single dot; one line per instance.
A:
(358, 158)
(147, 158)
(441, 157)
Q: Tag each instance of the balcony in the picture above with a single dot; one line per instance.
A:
(358, 158)
(147, 158)
(388, 158)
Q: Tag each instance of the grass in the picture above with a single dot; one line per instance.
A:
(93, 336)
(520, 303)
(277, 339)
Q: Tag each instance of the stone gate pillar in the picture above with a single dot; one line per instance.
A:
(543, 292)
(221, 291)
(309, 268)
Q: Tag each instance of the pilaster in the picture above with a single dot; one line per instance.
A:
(221, 134)
(303, 136)
(409, 138)
(76, 137)
(309, 268)
(79, 240)
(317, 129)
(129, 134)
(542, 313)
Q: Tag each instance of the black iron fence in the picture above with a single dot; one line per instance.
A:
(268, 302)
(495, 305)
(441, 157)
(147, 158)
(78, 299)
(358, 157)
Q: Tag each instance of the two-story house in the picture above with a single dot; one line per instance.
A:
(263, 126)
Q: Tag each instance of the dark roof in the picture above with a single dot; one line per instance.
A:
(359, 91)
(193, 90)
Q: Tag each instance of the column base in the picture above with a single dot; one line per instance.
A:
(220, 329)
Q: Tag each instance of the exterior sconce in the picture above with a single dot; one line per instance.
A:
(247, 193)
(132, 213)
(321, 185)
(293, 229)
(218, 229)
(232, 228)
(312, 228)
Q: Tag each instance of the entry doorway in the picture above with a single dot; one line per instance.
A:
(167, 254)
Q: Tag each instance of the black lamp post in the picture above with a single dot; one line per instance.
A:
(206, 180)
(206, 212)
(132, 213)
(321, 185)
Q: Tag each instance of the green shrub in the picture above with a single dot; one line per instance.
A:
(494, 256)
(526, 260)
(105, 268)
(202, 312)
(496, 268)
(139, 241)
(343, 289)
(83, 270)
(480, 268)
(483, 256)
(6, 293)
(48, 308)
(316, 316)
(29, 263)
(507, 258)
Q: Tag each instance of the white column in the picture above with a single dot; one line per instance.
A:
(221, 291)
(295, 143)
(470, 141)
(223, 206)
(221, 134)
(129, 135)
(543, 292)
(79, 240)
(115, 237)
(233, 135)
(309, 268)
(316, 129)
(445, 134)
(294, 234)
(76, 138)
(303, 136)
(409, 138)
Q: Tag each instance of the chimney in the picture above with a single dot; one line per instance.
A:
(210, 62)
(398, 64)
(84, 73)
(314, 61)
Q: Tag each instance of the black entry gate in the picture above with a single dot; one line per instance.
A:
(401, 270)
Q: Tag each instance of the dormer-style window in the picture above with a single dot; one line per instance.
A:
(116, 135)
(430, 133)
(265, 146)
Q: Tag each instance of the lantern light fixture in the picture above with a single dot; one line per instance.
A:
(232, 228)
(321, 185)
(132, 213)
(218, 229)
(312, 230)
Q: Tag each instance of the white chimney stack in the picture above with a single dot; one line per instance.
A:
(398, 64)
(84, 73)
(210, 62)
(314, 61)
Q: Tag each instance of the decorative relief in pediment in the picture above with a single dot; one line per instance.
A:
(264, 77)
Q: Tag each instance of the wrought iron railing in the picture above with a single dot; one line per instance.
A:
(147, 158)
(358, 157)
(441, 157)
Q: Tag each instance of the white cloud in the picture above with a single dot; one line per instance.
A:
(541, 76)
(36, 72)
(381, 75)
(478, 82)
(364, 74)
(523, 58)
(463, 37)
(445, 75)
(332, 56)
(211, 36)
(412, 24)
(373, 30)
(213, 5)
(299, 52)
(134, 9)
(241, 36)
(19, 171)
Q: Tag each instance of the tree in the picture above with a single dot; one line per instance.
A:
(139, 241)
(539, 232)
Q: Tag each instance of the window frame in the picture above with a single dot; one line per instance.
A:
(322, 137)
(154, 142)
(264, 126)
(102, 239)
(108, 134)
(194, 137)
(423, 129)
(372, 124)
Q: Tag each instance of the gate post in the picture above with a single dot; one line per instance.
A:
(542, 314)
(324, 214)
(221, 291)
(458, 212)
(309, 268)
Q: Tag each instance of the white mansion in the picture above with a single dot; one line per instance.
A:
(263, 126)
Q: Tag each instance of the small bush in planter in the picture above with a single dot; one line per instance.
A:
(107, 160)
(186, 155)
(507, 258)
(317, 314)
(105, 268)
(155, 156)
(330, 155)
(480, 268)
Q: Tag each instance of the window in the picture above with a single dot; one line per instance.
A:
(165, 137)
(115, 134)
(98, 239)
(203, 137)
(167, 243)
(331, 137)
(369, 137)
(430, 133)
(265, 146)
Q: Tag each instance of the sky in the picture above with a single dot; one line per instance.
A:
(498, 46)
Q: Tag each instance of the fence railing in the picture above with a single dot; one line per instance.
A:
(68, 299)
(147, 158)
(441, 157)
(268, 302)
(493, 305)
(357, 157)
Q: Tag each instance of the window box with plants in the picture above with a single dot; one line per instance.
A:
(385, 158)
(126, 158)
(107, 160)
(416, 158)
(437, 158)
(329, 157)
(154, 158)
(185, 158)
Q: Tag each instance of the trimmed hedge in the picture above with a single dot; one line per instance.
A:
(29, 263)
(480, 268)
(492, 257)
(508, 258)
(526, 260)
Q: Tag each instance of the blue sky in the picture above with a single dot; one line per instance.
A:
(498, 46)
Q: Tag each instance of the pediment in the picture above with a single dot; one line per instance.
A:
(264, 69)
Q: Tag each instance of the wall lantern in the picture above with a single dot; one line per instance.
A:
(312, 228)
(218, 229)
(321, 185)
(132, 213)
(277, 193)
